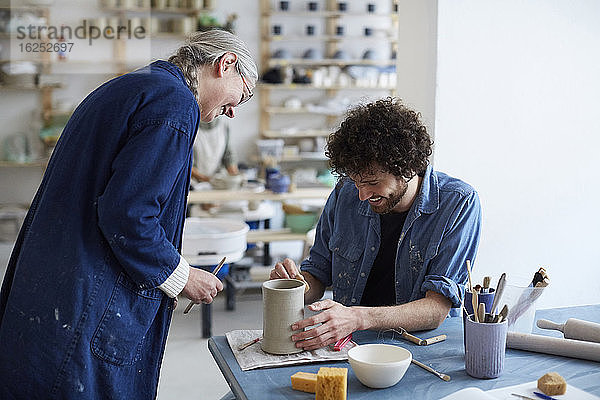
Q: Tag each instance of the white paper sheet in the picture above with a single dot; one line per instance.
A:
(525, 389)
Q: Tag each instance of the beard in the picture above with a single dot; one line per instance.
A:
(387, 203)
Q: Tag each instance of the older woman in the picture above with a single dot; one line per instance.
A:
(87, 299)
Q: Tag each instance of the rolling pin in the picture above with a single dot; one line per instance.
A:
(552, 345)
(574, 329)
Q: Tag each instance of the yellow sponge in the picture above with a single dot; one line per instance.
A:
(552, 384)
(304, 381)
(332, 383)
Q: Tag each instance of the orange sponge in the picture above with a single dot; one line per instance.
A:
(304, 381)
(332, 383)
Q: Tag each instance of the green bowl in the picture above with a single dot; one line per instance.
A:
(300, 223)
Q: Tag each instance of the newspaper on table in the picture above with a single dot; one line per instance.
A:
(253, 357)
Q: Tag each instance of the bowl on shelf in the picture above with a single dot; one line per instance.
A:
(379, 365)
(301, 223)
(312, 54)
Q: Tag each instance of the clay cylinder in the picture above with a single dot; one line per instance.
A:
(283, 304)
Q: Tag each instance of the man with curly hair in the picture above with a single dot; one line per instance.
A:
(394, 235)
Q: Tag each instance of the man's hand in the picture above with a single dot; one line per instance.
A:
(337, 321)
(202, 286)
(288, 269)
(285, 270)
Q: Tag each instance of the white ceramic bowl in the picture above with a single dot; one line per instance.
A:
(379, 365)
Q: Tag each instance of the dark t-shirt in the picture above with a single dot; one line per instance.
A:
(381, 289)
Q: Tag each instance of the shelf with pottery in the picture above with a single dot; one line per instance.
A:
(274, 62)
(29, 164)
(295, 133)
(300, 110)
(295, 86)
(273, 235)
(215, 196)
(326, 14)
(33, 87)
(143, 10)
(334, 63)
(301, 157)
(332, 38)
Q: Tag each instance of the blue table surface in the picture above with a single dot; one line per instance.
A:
(447, 357)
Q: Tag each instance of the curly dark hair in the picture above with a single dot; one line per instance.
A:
(384, 133)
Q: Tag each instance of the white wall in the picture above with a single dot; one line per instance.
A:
(417, 57)
(517, 117)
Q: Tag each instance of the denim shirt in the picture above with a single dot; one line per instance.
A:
(440, 233)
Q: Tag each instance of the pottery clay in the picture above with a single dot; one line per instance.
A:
(283, 304)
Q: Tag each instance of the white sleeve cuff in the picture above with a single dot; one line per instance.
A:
(177, 280)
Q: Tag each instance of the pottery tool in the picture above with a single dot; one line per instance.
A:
(417, 340)
(574, 329)
(481, 312)
(538, 277)
(248, 344)
(498, 292)
(469, 275)
(486, 284)
(522, 397)
(339, 345)
(475, 305)
(433, 371)
(300, 278)
(551, 345)
(214, 272)
(544, 396)
(434, 339)
(502, 315)
(474, 299)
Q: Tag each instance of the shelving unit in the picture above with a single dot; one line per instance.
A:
(36, 85)
(51, 71)
(278, 121)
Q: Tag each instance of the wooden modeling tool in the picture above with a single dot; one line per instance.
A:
(417, 340)
(214, 272)
(433, 371)
(300, 278)
(475, 304)
(486, 284)
(469, 275)
(498, 292)
(474, 299)
(248, 344)
(481, 312)
(502, 315)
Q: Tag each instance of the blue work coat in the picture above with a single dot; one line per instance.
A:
(440, 233)
(81, 315)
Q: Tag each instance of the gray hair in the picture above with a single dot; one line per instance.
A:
(208, 47)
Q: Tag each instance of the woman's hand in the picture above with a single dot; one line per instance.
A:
(202, 286)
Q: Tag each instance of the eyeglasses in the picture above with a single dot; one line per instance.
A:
(245, 97)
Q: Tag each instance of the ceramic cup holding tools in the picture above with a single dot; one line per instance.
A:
(283, 304)
(485, 345)
(486, 298)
